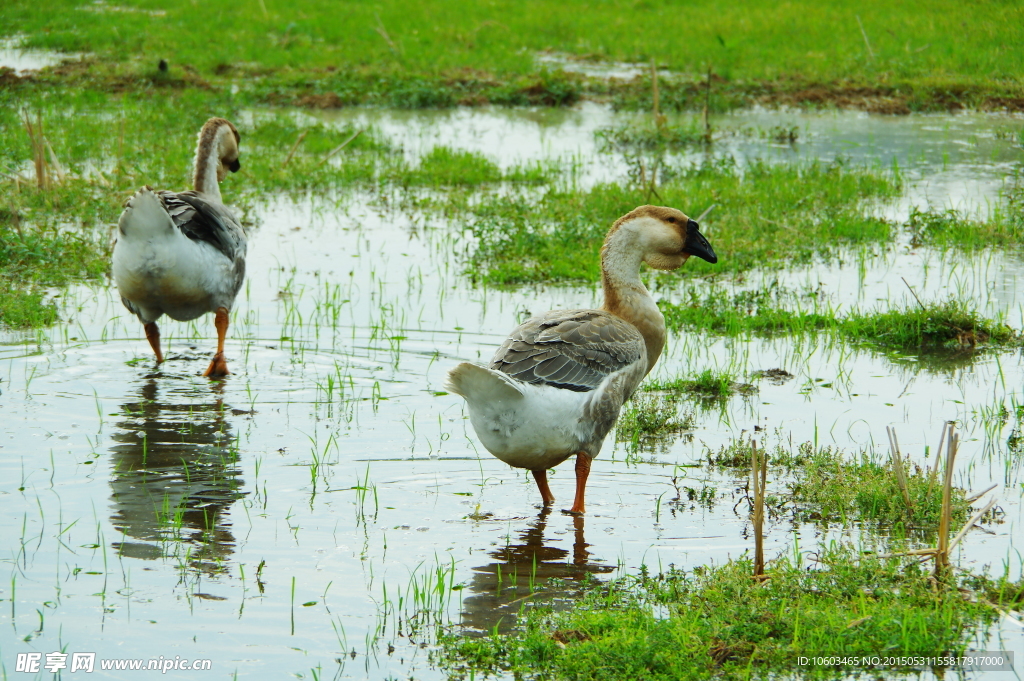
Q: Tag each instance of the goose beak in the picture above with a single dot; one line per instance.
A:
(697, 245)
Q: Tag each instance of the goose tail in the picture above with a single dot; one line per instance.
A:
(144, 215)
(477, 384)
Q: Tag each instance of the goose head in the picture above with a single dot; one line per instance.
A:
(219, 140)
(665, 237)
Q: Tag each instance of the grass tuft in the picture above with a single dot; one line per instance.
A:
(649, 418)
(766, 312)
(708, 384)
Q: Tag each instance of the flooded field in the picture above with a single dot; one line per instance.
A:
(323, 510)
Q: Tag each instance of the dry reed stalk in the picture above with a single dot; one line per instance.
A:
(946, 514)
(700, 218)
(383, 32)
(970, 523)
(291, 152)
(338, 148)
(120, 146)
(897, 464)
(871, 53)
(759, 473)
(659, 119)
(55, 161)
(974, 497)
(35, 138)
(934, 471)
(707, 106)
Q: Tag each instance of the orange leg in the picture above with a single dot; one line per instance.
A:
(582, 472)
(541, 477)
(153, 336)
(218, 365)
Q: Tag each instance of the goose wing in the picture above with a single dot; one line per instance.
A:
(203, 220)
(570, 349)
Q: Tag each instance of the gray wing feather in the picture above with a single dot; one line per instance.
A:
(570, 349)
(201, 220)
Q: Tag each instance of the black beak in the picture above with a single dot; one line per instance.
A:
(697, 245)
(236, 165)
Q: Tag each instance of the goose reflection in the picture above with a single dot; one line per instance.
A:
(533, 568)
(175, 475)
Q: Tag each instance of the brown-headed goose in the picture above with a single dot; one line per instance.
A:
(557, 383)
(183, 253)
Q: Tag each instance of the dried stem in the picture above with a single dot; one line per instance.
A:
(707, 106)
(35, 138)
(659, 119)
(341, 146)
(946, 515)
(897, 464)
(291, 152)
(759, 474)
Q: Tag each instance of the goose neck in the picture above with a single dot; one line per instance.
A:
(626, 297)
(205, 178)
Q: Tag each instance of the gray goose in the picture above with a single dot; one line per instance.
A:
(183, 253)
(556, 385)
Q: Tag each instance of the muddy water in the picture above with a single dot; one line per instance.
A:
(301, 514)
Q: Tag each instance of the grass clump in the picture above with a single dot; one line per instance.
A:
(724, 624)
(651, 417)
(768, 216)
(768, 312)
(34, 258)
(828, 485)
(446, 167)
(939, 324)
(1005, 229)
(831, 487)
(648, 136)
(708, 384)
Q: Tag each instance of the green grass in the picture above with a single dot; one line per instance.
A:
(1004, 229)
(774, 312)
(767, 216)
(721, 623)
(923, 54)
(34, 258)
(708, 384)
(826, 485)
(647, 419)
(107, 147)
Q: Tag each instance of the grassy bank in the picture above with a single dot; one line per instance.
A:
(717, 622)
(721, 621)
(936, 54)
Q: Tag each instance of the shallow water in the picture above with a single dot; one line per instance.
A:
(13, 56)
(308, 506)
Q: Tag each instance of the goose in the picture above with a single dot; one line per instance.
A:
(183, 253)
(556, 385)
